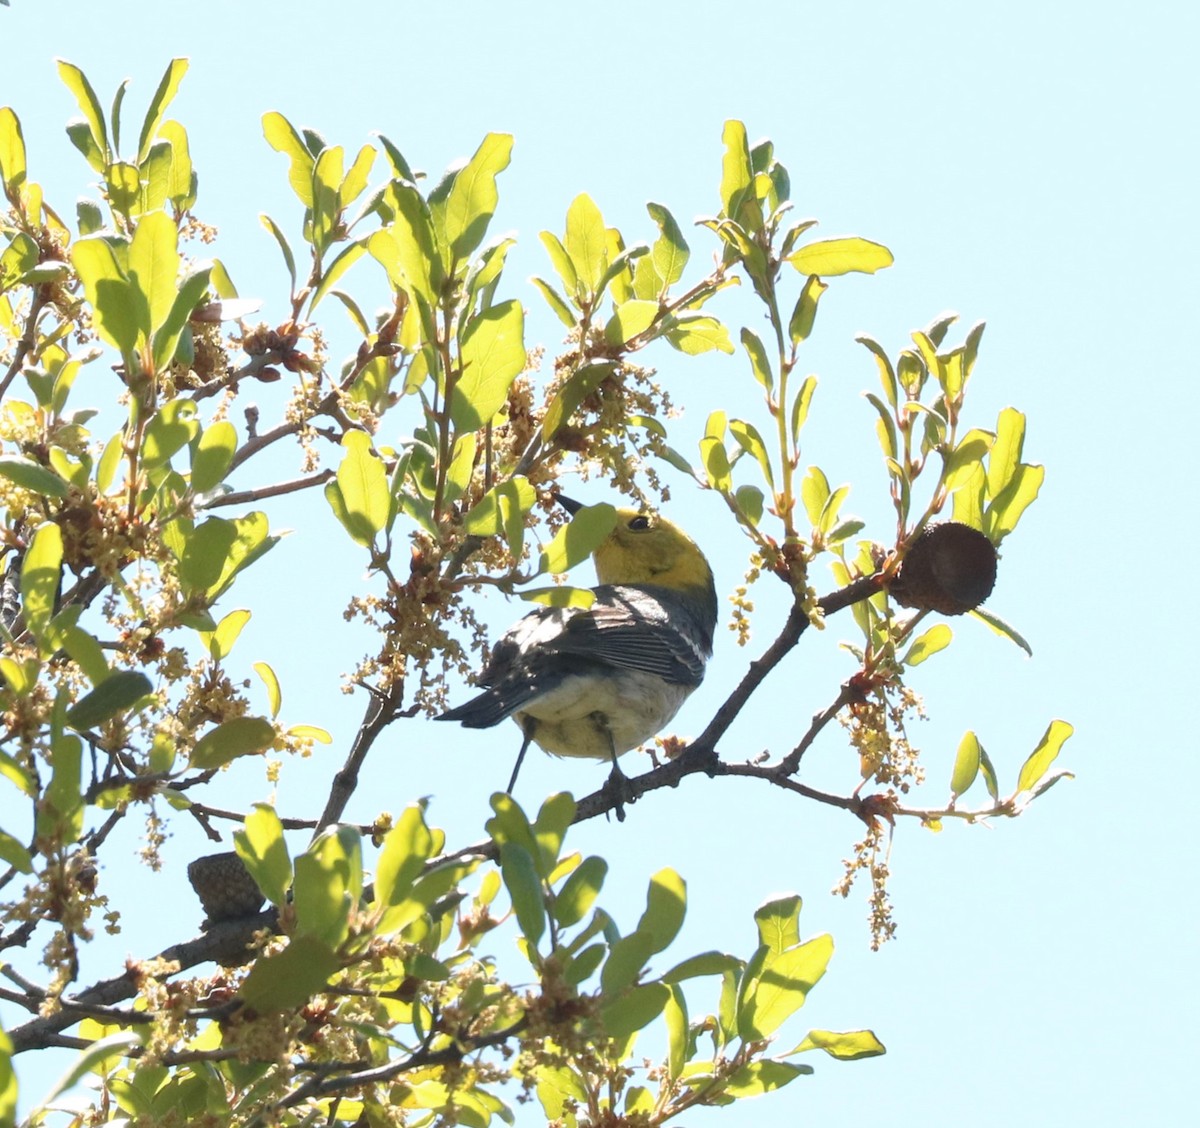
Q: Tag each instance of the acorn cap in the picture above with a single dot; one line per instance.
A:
(950, 568)
(225, 887)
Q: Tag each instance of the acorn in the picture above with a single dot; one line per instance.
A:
(950, 568)
(225, 887)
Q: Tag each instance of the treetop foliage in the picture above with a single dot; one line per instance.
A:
(369, 990)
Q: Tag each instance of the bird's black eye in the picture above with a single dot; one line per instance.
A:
(639, 523)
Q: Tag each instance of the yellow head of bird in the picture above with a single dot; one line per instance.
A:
(644, 548)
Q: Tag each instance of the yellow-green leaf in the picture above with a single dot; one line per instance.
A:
(261, 846)
(831, 257)
(578, 539)
(492, 356)
(240, 736)
(966, 764)
(274, 693)
(1043, 755)
(362, 480)
(40, 575)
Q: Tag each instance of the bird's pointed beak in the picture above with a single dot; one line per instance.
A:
(568, 503)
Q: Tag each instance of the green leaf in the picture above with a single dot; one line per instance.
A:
(12, 853)
(327, 883)
(167, 89)
(113, 1045)
(345, 259)
(578, 539)
(751, 442)
(281, 135)
(289, 259)
(362, 480)
(750, 502)
(191, 293)
(40, 575)
(759, 361)
(241, 736)
(666, 904)
(492, 356)
(717, 467)
(213, 455)
(206, 553)
(696, 333)
(670, 251)
(473, 197)
(586, 242)
(936, 638)
(563, 266)
(121, 690)
(966, 764)
(763, 1076)
(550, 828)
(31, 475)
(76, 81)
(12, 172)
(579, 891)
(1006, 450)
(635, 1009)
(778, 923)
(1001, 628)
(284, 981)
(848, 1045)
(60, 811)
(815, 493)
(988, 771)
(706, 963)
(525, 888)
(736, 174)
(831, 257)
(801, 404)
(573, 391)
(554, 300)
(271, 681)
(805, 313)
(261, 846)
(629, 320)
(220, 641)
(1043, 755)
(406, 848)
(781, 987)
(1005, 511)
(117, 306)
(154, 266)
(173, 427)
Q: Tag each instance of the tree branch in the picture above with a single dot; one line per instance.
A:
(240, 497)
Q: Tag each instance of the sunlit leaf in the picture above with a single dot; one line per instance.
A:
(240, 736)
(937, 638)
(261, 846)
(966, 764)
(578, 539)
(848, 1045)
(1043, 755)
(40, 575)
(493, 355)
(831, 257)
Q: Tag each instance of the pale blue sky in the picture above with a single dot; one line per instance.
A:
(1028, 164)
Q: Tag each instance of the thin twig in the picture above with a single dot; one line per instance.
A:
(25, 344)
(240, 497)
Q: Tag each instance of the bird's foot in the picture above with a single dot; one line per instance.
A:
(618, 789)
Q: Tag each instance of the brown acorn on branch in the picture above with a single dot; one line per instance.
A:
(950, 568)
(225, 887)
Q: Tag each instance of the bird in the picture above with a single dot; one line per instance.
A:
(599, 681)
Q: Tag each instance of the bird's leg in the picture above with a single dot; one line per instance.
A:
(617, 783)
(529, 725)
